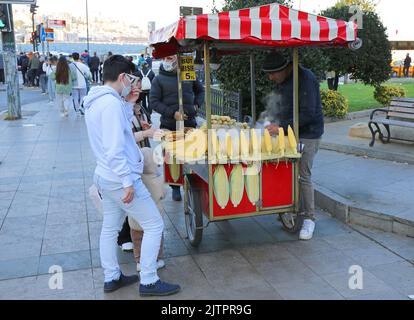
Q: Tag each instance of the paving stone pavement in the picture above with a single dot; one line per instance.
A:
(47, 219)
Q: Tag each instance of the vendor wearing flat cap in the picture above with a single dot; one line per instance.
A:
(280, 113)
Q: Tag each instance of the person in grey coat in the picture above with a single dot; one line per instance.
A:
(164, 100)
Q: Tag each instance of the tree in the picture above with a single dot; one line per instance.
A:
(234, 72)
(364, 5)
(370, 63)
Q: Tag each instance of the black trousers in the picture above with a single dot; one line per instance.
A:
(24, 76)
(406, 70)
(95, 75)
(2, 80)
(124, 235)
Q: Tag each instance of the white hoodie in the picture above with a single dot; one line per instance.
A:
(108, 120)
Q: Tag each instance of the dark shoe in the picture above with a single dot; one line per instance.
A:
(176, 194)
(122, 282)
(159, 288)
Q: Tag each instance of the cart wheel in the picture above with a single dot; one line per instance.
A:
(291, 222)
(193, 213)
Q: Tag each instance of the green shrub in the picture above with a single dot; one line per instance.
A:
(334, 104)
(384, 94)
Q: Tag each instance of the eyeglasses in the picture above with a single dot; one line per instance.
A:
(134, 80)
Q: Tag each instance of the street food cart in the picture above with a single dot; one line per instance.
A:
(249, 184)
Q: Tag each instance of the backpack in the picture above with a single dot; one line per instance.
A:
(146, 82)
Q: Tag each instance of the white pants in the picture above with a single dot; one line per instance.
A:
(78, 94)
(144, 210)
(63, 102)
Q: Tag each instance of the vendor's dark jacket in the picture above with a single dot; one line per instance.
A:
(164, 99)
(311, 125)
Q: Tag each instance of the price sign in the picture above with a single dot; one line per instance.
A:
(187, 69)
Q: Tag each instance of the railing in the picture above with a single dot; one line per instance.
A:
(224, 103)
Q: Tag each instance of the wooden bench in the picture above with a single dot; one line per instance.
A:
(400, 113)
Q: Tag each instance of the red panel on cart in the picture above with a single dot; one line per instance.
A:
(277, 184)
(245, 206)
(169, 179)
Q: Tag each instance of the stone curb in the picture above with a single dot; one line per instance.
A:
(371, 152)
(351, 116)
(345, 210)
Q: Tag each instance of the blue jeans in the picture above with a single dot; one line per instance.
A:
(51, 89)
(144, 210)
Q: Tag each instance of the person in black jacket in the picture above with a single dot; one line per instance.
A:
(94, 66)
(311, 125)
(24, 64)
(164, 100)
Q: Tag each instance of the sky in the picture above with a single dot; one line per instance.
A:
(395, 14)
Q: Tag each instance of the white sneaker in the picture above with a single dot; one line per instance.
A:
(306, 232)
(127, 247)
(160, 264)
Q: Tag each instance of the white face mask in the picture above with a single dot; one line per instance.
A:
(126, 90)
(169, 65)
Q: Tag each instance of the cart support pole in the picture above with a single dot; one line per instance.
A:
(296, 93)
(207, 80)
(253, 88)
(296, 120)
(180, 124)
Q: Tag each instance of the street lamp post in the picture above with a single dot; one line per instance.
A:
(87, 26)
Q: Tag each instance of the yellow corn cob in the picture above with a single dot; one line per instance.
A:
(254, 143)
(244, 144)
(214, 144)
(195, 145)
(221, 186)
(292, 141)
(174, 171)
(229, 146)
(281, 140)
(267, 141)
(252, 183)
(236, 185)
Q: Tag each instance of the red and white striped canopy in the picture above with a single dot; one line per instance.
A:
(268, 25)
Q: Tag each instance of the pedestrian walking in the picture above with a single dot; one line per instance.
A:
(63, 78)
(85, 57)
(33, 67)
(80, 86)
(94, 63)
(407, 64)
(24, 64)
(164, 100)
(108, 115)
(41, 73)
(311, 126)
(51, 85)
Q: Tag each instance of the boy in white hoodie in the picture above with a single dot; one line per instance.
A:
(108, 114)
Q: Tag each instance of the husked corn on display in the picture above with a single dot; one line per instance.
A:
(281, 141)
(221, 186)
(244, 144)
(255, 145)
(192, 147)
(293, 148)
(236, 185)
(252, 183)
(232, 145)
(267, 141)
(213, 145)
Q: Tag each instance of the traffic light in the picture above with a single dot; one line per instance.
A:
(33, 8)
(33, 37)
(4, 18)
